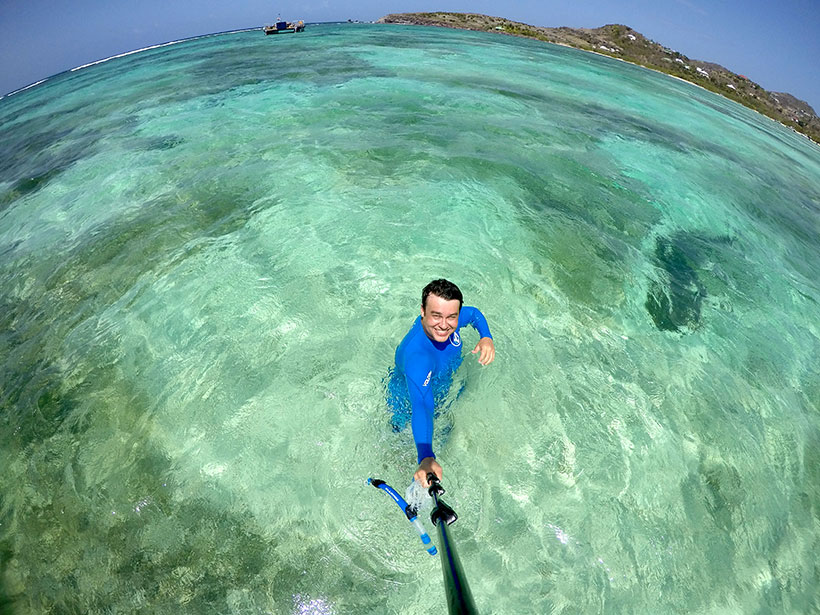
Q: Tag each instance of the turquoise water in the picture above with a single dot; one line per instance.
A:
(209, 251)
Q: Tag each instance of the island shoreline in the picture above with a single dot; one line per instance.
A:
(807, 126)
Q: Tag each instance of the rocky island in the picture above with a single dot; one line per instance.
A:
(624, 43)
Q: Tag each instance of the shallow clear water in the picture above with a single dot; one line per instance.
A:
(209, 251)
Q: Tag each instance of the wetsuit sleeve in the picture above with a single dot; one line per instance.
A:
(419, 373)
(473, 316)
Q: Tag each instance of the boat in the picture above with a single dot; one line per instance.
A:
(285, 27)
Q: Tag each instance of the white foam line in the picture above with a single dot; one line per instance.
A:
(25, 88)
(182, 40)
(122, 55)
(128, 53)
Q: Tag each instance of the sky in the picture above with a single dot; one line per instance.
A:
(776, 44)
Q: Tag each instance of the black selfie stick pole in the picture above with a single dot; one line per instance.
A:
(459, 598)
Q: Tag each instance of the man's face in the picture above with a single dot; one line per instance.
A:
(439, 317)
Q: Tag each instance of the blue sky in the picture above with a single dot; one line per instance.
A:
(776, 44)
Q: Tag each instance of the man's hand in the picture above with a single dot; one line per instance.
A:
(487, 349)
(428, 464)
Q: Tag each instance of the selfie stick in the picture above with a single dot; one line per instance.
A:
(459, 598)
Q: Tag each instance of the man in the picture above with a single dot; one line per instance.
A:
(429, 355)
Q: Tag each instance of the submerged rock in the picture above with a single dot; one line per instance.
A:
(675, 302)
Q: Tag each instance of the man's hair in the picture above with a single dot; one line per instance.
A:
(444, 289)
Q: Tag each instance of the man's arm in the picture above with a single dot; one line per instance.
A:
(472, 316)
(486, 347)
(418, 375)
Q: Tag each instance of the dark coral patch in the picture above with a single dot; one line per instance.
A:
(675, 302)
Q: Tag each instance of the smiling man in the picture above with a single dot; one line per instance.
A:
(429, 355)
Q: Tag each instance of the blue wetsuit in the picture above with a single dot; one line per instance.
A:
(426, 367)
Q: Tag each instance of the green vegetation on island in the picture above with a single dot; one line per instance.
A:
(624, 43)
